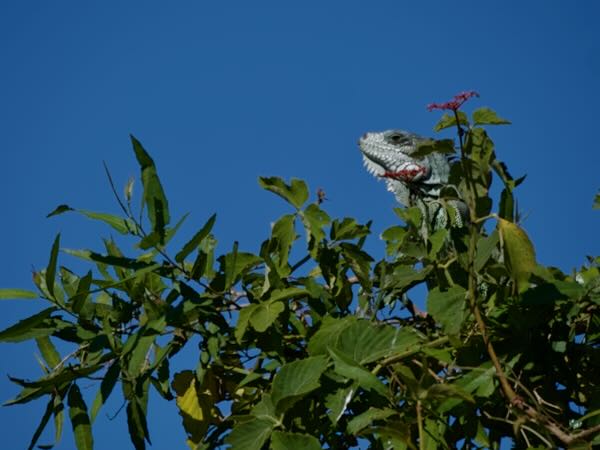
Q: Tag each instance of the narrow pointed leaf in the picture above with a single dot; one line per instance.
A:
(193, 243)
(32, 327)
(48, 351)
(82, 430)
(16, 294)
(106, 387)
(153, 197)
(42, 425)
(51, 269)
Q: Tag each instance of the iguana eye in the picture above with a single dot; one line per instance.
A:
(397, 138)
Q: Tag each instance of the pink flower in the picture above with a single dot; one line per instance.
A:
(455, 103)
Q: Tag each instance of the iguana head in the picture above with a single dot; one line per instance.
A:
(388, 155)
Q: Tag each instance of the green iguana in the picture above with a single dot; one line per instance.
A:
(415, 181)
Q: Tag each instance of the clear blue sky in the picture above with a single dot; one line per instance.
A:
(222, 92)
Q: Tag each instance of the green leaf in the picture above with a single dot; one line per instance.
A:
(365, 419)
(48, 351)
(295, 380)
(518, 251)
(153, 197)
(250, 435)
(193, 243)
(348, 368)
(359, 261)
(296, 193)
(293, 441)
(42, 425)
(443, 146)
(265, 314)
(51, 269)
(136, 423)
(16, 294)
(106, 387)
(506, 207)
(30, 328)
(362, 341)
(59, 210)
(80, 421)
(449, 120)
(486, 116)
(347, 229)
(243, 321)
(235, 264)
(337, 403)
(314, 219)
(123, 226)
(448, 307)
(485, 248)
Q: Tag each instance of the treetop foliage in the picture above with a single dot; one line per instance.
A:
(325, 349)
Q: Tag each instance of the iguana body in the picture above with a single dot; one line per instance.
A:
(415, 181)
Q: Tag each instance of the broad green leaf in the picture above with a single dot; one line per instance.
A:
(30, 328)
(153, 197)
(314, 219)
(449, 120)
(235, 263)
(443, 146)
(328, 334)
(393, 237)
(362, 341)
(16, 294)
(106, 387)
(365, 419)
(193, 243)
(80, 420)
(448, 307)
(486, 116)
(51, 269)
(265, 314)
(478, 381)
(485, 248)
(295, 380)
(348, 228)
(250, 435)
(243, 321)
(360, 263)
(48, 351)
(284, 235)
(337, 402)
(296, 193)
(437, 240)
(293, 441)
(518, 251)
(348, 368)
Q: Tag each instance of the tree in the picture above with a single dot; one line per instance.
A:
(327, 349)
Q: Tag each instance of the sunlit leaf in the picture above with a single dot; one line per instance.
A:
(80, 420)
(15, 294)
(518, 251)
(193, 243)
(486, 116)
(154, 196)
(295, 193)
